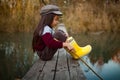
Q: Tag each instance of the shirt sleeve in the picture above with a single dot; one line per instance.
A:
(47, 29)
(51, 42)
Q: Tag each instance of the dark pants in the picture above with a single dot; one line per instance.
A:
(48, 53)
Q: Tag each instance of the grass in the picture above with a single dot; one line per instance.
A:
(21, 16)
(86, 17)
(81, 16)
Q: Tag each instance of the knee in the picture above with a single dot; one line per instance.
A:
(60, 35)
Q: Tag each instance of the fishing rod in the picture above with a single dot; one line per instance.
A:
(64, 29)
(78, 52)
(91, 69)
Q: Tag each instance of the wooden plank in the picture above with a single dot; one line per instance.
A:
(62, 67)
(74, 69)
(34, 71)
(49, 69)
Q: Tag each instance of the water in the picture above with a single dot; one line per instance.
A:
(16, 55)
(104, 58)
(108, 71)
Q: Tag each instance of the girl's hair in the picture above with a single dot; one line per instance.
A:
(45, 20)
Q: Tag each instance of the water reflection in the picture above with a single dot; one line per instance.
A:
(108, 71)
(16, 56)
(116, 56)
(104, 58)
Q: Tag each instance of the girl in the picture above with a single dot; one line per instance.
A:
(45, 41)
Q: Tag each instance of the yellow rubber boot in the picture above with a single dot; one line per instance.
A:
(78, 51)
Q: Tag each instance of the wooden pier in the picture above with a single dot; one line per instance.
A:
(61, 67)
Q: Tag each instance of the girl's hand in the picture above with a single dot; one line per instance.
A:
(68, 46)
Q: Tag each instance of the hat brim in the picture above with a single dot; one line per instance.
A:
(57, 12)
